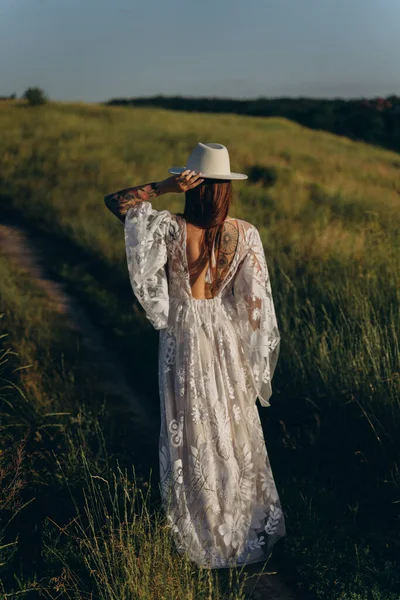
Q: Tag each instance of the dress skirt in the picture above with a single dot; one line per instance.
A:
(216, 481)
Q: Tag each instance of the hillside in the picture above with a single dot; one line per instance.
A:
(373, 120)
(328, 210)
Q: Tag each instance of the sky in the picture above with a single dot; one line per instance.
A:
(95, 50)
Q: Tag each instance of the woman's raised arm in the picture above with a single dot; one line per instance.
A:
(120, 202)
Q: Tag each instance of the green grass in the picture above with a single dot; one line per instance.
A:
(328, 211)
(126, 548)
(77, 519)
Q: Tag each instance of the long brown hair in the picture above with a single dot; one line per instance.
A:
(207, 206)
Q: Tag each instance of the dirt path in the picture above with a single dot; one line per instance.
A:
(16, 245)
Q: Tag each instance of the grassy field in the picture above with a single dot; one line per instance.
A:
(328, 211)
(79, 517)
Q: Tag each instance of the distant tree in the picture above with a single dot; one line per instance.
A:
(10, 97)
(35, 96)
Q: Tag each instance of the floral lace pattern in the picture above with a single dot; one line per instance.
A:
(216, 357)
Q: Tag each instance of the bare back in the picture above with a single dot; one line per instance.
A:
(229, 240)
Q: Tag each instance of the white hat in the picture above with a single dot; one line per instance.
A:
(212, 160)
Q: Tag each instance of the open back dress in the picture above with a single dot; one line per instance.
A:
(216, 357)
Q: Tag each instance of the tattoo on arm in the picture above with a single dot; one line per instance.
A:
(120, 202)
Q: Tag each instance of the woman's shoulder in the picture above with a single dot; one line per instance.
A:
(143, 217)
(245, 228)
(245, 224)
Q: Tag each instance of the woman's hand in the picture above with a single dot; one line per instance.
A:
(176, 184)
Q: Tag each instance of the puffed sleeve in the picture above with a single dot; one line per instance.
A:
(257, 322)
(146, 231)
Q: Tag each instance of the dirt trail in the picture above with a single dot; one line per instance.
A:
(16, 245)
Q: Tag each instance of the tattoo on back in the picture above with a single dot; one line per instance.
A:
(226, 249)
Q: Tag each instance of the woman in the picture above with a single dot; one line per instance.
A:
(202, 279)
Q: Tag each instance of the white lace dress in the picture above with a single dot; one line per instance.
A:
(215, 358)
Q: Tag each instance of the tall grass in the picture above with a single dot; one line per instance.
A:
(328, 210)
(128, 552)
(76, 518)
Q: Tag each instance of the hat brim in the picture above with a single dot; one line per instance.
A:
(232, 175)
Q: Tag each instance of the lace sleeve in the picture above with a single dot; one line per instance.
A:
(146, 253)
(256, 317)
